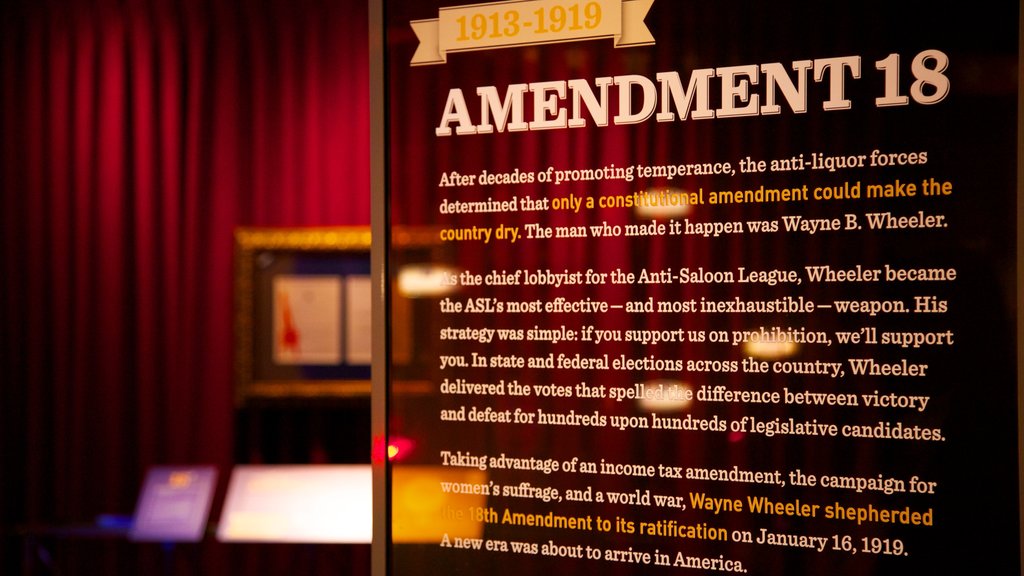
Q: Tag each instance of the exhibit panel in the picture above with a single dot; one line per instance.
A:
(710, 288)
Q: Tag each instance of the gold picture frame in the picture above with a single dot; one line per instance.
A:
(288, 277)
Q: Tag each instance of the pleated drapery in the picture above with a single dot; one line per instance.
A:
(136, 135)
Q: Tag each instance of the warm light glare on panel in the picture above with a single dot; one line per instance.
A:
(771, 350)
(665, 203)
(425, 280)
(422, 512)
(665, 396)
(400, 448)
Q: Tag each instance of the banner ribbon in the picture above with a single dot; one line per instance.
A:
(529, 22)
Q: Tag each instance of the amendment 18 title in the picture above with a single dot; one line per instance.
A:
(562, 104)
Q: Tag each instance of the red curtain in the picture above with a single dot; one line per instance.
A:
(136, 135)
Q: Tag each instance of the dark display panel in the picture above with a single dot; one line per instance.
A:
(740, 300)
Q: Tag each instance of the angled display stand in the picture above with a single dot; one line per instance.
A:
(317, 504)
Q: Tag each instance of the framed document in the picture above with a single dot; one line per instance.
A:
(302, 312)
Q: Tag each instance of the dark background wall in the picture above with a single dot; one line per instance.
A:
(136, 135)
